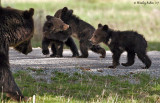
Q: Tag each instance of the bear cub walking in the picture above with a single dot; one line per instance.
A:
(81, 30)
(120, 41)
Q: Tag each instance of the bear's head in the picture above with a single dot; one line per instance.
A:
(54, 28)
(64, 13)
(100, 34)
(54, 25)
(24, 45)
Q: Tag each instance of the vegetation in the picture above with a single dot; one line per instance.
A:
(124, 15)
(82, 88)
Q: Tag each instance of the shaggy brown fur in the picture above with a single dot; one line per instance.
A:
(81, 30)
(16, 30)
(55, 28)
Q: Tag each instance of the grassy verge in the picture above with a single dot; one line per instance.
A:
(123, 15)
(78, 88)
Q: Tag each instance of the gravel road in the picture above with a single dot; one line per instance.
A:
(92, 64)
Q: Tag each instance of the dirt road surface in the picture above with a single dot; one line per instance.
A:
(92, 64)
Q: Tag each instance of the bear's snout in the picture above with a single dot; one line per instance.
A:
(92, 40)
(65, 27)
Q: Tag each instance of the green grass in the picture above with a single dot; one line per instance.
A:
(78, 88)
(118, 15)
(89, 88)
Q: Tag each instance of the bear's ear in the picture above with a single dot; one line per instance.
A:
(0, 10)
(105, 27)
(8, 7)
(28, 14)
(48, 17)
(31, 11)
(70, 12)
(65, 9)
(99, 25)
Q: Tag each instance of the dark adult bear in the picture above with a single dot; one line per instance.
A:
(81, 30)
(119, 41)
(55, 28)
(16, 29)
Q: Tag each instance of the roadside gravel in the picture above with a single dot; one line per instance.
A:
(93, 64)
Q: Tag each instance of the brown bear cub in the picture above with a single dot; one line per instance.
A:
(55, 28)
(16, 30)
(120, 41)
(81, 30)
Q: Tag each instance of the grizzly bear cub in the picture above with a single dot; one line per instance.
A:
(55, 28)
(81, 30)
(119, 41)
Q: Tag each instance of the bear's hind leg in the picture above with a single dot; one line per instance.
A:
(145, 59)
(83, 49)
(130, 59)
(100, 50)
(70, 43)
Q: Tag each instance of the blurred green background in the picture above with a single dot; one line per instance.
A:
(118, 14)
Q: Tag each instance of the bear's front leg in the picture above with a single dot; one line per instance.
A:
(116, 56)
(7, 83)
(54, 51)
(59, 48)
(45, 44)
(100, 50)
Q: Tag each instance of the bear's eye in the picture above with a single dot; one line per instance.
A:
(61, 26)
(50, 25)
(95, 36)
